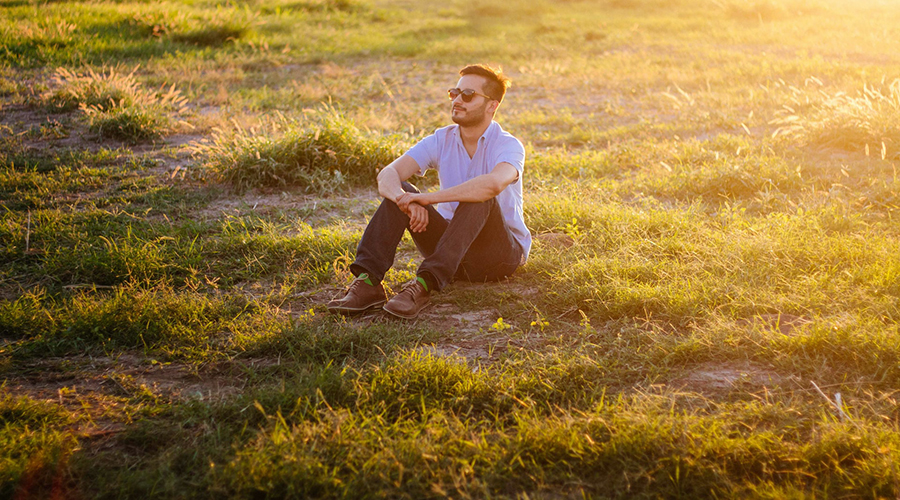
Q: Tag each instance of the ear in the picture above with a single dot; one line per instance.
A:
(492, 107)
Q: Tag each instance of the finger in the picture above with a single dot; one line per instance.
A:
(413, 219)
(421, 219)
(417, 225)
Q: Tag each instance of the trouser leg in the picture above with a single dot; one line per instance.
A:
(378, 246)
(494, 255)
(475, 246)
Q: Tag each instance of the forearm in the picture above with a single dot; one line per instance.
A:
(478, 189)
(389, 184)
(391, 177)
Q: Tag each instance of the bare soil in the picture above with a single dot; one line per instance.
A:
(715, 378)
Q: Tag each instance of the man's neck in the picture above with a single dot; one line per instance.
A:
(470, 135)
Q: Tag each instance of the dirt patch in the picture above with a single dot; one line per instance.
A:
(448, 318)
(481, 348)
(467, 332)
(471, 334)
(103, 393)
(465, 335)
(98, 389)
(719, 377)
(315, 210)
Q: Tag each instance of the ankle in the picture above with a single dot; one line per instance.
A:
(366, 279)
(427, 281)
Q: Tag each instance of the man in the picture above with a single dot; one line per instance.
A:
(476, 232)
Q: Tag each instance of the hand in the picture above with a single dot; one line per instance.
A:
(418, 217)
(404, 200)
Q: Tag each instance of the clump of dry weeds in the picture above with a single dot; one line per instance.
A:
(851, 122)
(116, 105)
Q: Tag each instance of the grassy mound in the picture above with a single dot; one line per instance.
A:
(319, 156)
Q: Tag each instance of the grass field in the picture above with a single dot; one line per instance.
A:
(710, 309)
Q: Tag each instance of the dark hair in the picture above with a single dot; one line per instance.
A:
(497, 82)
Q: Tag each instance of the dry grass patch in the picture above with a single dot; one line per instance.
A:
(866, 121)
(116, 105)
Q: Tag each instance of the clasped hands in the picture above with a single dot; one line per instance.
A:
(412, 205)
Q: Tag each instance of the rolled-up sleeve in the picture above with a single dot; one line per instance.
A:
(511, 152)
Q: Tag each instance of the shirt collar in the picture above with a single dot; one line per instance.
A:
(487, 132)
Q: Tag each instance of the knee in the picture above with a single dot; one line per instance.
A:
(392, 207)
(476, 206)
(389, 207)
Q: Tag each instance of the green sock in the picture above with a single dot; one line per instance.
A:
(422, 281)
(365, 278)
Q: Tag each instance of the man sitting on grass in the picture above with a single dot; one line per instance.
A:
(472, 228)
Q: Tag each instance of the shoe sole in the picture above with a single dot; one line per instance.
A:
(346, 311)
(405, 316)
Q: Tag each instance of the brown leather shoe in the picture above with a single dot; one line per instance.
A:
(407, 304)
(359, 297)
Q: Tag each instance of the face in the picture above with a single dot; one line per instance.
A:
(477, 111)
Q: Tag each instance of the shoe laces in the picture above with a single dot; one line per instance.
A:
(356, 283)
(410, 288)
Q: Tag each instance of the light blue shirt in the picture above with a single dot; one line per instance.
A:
(444, 151)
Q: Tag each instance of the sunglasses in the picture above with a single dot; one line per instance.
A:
(467, 94)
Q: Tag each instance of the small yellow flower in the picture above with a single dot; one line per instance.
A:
(540, 323)
(499, 325)
(308, 314)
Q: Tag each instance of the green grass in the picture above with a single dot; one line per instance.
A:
(634, 447)
(721, 178)
(130, 317)
(33, 450)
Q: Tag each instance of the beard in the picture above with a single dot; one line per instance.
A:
(472, 116)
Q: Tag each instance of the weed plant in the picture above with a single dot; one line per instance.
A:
(319, 341)
(102, 89)
(98, 248)
(331, 5)
(212, 35)
(688, 265)
(33, 179)
(766, 10)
